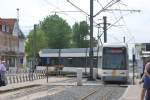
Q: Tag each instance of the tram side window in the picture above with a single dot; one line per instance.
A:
(70, 61)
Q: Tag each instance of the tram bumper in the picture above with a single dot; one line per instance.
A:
(114, 78)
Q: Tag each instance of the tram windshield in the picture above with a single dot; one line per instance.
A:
(114, 58)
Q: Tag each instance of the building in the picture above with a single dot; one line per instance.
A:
(11, 42)
(142, 53)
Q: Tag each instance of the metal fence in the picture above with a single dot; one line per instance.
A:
(24, 76)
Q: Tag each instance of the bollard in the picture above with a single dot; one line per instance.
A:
(23, 78)
(10, 80)
(36, 75)
(79, 76)
(13, 79)
(94, 73)
(17, 80)
(20, 78)
(26, 77)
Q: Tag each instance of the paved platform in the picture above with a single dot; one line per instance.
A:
(133, 92)
(15, 86)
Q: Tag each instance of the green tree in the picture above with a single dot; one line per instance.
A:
(41, 42)
(81, 34)
(53, 32)
(58, 32)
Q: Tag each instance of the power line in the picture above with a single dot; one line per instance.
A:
(78, 8)
(126, 24)
(59, 10)
(111, 3)
(100, 3)
(122, 10)
(66, 11)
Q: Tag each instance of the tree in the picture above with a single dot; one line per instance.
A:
(41, 41)
(53, 32)
(58, 32)
(81, 34)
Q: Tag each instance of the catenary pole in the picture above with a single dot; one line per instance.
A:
(91, 41)
(105, 29)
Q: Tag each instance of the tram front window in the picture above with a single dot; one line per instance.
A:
(115, 60)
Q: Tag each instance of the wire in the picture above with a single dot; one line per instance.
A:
(100, 4)
(126, 26)
(78, 8)
(112, 2)
(59, 10)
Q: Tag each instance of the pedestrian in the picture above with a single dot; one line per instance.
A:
(2, 73)
(145, 93)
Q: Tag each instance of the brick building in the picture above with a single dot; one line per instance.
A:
(11, 42)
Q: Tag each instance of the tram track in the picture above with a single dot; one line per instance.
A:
(103, 93)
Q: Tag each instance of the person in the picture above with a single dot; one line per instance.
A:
(146, 86)
(2, 73)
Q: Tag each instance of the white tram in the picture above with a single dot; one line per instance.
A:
(115, 62)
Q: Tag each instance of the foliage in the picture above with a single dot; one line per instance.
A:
(53, 32)
(58, 32)
(40, 39)
(81, 34)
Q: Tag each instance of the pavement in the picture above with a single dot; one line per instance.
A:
(16, 86)
(131, 93)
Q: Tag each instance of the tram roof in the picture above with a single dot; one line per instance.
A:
(115, 45)
(70, 51)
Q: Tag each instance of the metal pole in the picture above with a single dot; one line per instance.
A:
(124, 39)
(105, 29)
(47, 73)
(33, 50)
(59, 65)
(34, 45)
(18, 61)
(91, 40)
(133, 56)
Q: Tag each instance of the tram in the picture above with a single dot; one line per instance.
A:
(115, 62)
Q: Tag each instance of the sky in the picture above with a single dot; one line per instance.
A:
(133, 25)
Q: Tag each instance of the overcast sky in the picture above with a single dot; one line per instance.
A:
(134, 26)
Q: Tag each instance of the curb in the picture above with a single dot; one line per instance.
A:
(121, 98)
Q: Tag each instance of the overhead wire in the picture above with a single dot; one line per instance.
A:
(111, 3)
(132, 38)
(63, 12)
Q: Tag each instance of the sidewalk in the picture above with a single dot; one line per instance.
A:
(133, 92)
(16, 86)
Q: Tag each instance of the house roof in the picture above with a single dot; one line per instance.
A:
(10, 22)
(7, 21)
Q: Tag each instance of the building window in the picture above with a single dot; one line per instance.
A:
(147, 47)
(3, 28)
(7, 28)
(0, 27)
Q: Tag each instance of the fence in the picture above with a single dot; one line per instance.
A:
(24, 76)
